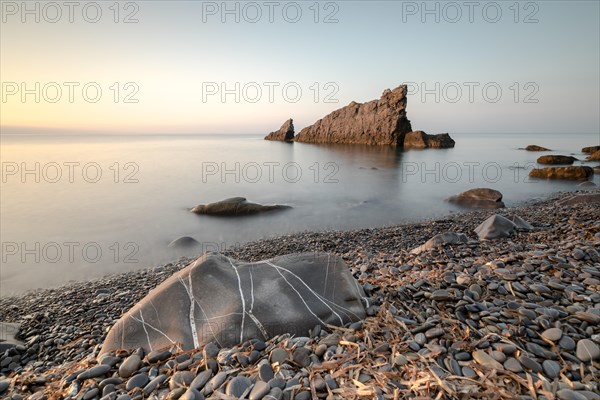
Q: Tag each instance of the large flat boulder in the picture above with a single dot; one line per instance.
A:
(377, 122)
(421, 140)
(556, 160)
(222, 300)
(235, 206)
(284, 134)
(577, 173)
(483, 198)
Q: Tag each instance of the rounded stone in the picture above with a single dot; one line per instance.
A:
(530, 364)
(552, 334)
(551, 368)
(587, 350)
(279, 355)
(568, 394)
(139, 380)
(259, 390)
(237, 386)
(567, 343)
(201, 380)
(94, 372)
(485, 359)
(129, 366)
(513, 365)
(181, 379)
(265, 372)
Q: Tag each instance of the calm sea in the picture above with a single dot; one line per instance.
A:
(77, 207)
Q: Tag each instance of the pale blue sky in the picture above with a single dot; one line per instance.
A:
(176, 49)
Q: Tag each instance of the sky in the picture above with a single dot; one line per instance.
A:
(246, 67)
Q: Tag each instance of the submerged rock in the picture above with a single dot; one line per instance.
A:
(590, 150)
(235, 206)
(534, 147)
(421, 140)
(285, 133)
(184, 242)
(553, 160)
(478, 198)
(595, 156)
(218, 299)
(377, 122)
(578, 173)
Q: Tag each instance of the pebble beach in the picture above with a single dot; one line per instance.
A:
(515, 318)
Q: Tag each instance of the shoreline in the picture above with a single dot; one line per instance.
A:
(68, 323)
(237, 248)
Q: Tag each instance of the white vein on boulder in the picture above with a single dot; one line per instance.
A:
(277, 267)
(191, 314)
(241, 297)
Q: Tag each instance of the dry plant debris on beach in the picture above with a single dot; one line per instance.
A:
(503, 319)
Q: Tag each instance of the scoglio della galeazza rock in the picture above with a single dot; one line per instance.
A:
(284, 134)
(236, 206)
(222, 300)
(377, 122)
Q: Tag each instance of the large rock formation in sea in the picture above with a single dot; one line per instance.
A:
(285, 133)
(380, 122)
(218, 299)
(377, 122)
